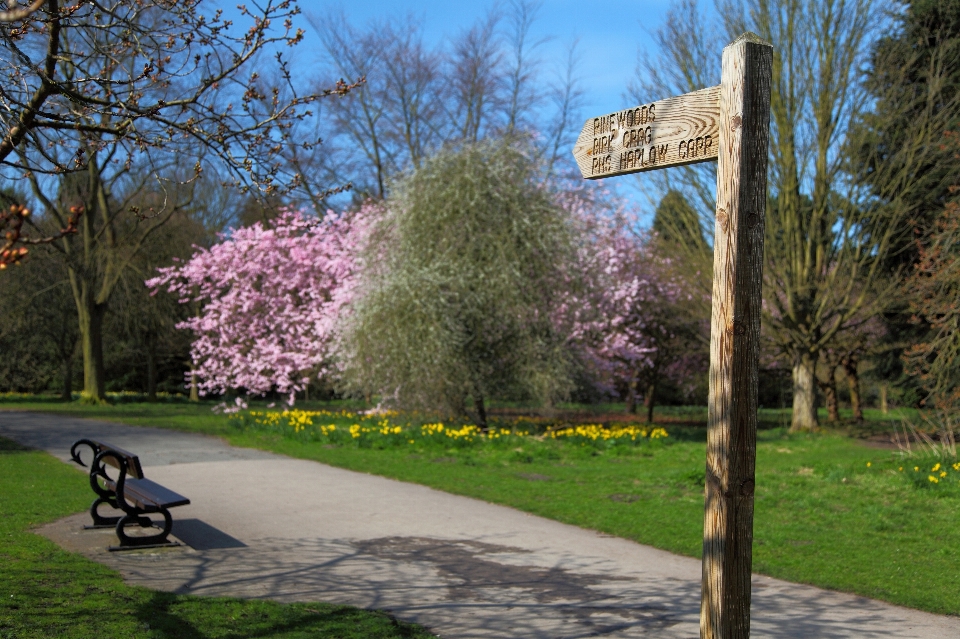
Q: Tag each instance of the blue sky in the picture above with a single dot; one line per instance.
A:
(609, 34)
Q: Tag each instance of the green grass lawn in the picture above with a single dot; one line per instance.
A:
(823, 516)
(47, 592)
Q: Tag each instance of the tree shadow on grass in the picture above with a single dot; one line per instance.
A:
(686, 433)
(8, 447)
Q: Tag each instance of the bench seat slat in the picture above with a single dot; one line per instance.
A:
(149, 494)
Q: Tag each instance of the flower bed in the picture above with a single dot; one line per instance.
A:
(394, 430)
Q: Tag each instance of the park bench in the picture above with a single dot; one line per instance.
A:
(130, 492)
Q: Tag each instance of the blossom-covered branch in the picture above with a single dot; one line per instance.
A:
(270, 297)
(628, 316)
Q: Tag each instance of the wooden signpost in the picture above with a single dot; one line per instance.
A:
(730, 123)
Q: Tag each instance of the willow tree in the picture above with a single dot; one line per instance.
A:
(461, 286)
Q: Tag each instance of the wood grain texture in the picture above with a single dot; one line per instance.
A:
(735, 338)
(672, 132)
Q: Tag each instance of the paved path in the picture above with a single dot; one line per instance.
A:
(267, 526)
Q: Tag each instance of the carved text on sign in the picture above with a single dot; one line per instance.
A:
(697, 147)
(671, 132)
(601, 164)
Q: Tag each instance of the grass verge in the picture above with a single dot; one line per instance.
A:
(47, 592)
(823, 515)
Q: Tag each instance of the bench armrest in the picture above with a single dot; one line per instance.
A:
(75, 454)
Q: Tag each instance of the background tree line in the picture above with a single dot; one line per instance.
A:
(860, 216)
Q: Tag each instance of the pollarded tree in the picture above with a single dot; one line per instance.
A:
(463, 280)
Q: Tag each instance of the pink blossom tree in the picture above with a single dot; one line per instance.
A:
(270, 297)
(631, 317)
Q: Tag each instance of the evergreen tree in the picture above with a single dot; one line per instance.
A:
(676, 222)
(914, 79)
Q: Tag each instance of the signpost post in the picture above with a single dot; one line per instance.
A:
(730, 123)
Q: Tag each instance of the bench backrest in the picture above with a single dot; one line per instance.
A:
(133, 462)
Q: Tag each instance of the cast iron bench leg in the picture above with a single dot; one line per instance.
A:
(99, 521)
(160, 539)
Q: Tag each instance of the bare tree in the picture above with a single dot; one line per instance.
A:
(414, 97)
(486, 81)
(476, 78)
(691, 64)
(523, 63)
(826, 239)
(146, 76)
(357, 118)
(567, 95)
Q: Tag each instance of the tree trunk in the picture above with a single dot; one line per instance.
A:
(804, 395)
(884, 406)
(91, 343)
(853, 379)
(479, 404)
(194, 387)
(649, 400)
(830, 392)
(829, 389)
